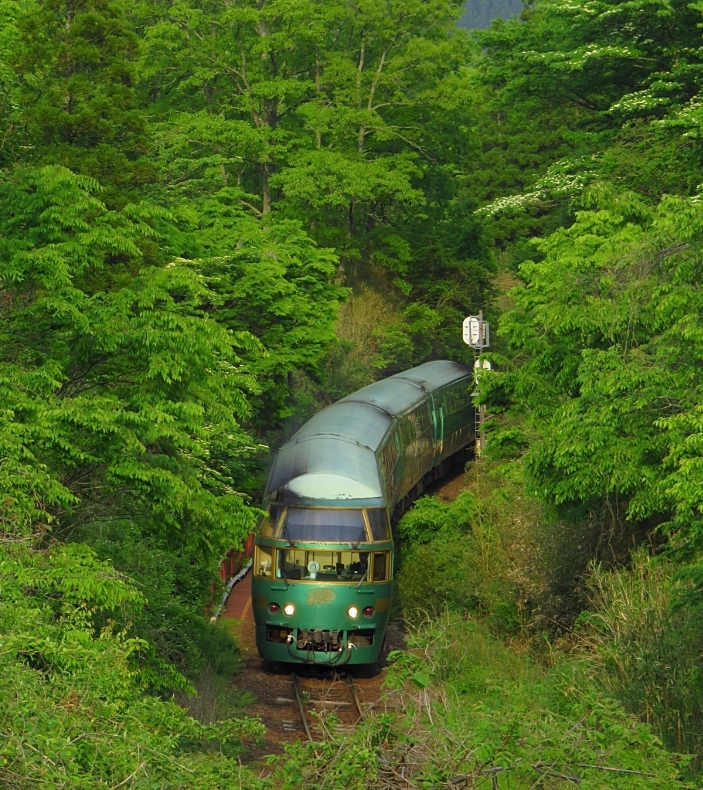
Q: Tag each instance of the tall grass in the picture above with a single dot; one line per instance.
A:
(632, 627)
(464, 712)
(642, 641)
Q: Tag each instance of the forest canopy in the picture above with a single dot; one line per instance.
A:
(216, 219)
(188, 192)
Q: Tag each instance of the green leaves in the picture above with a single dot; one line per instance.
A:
(612, 331)
(122, 401)
(270, 284)
(72, 703)
(118, 386)
(74, 67)
(338, 116)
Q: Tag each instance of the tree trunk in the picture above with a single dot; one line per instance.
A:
(265, 190)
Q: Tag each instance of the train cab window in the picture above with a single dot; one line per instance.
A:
(381, 566)
(270, 522)
(263, 561)
(327, 566)
(328, 525)
(378, 521)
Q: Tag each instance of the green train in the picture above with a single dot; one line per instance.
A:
(323, 560)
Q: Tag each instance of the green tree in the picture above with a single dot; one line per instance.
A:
(576, 92)
(74, 65)
(249, 71)
(337, 116)
(116, 387)
(272, 281)
(607, 337)
(73, 708)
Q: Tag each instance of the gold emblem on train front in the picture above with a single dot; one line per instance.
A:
(320, 595)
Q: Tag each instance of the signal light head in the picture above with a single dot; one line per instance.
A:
(274, 608)
(353, 612)
(368, 611)
(289, 610)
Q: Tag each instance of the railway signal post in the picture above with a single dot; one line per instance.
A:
(477, 333)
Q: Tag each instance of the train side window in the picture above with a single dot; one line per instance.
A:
(424, 417)
(270, 522)
(381, 566)
(463, 397)
(453, 401)
(378, 521)
(263, 561)
(458, 398)
(408, 431)
(390, 458)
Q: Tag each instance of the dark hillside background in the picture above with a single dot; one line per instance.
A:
(479, 13)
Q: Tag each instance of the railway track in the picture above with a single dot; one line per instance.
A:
(275, 701)
(317, 699)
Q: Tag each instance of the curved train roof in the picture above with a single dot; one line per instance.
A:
(332, 456)
(397, 393)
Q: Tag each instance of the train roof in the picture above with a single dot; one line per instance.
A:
(333, 456)
(397, 393)
(356, 421)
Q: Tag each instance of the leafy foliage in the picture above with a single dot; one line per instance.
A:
(73, 709)
(598, 389)
(75, 66)
(114, 385)
(608, 321)
(577, 92)
(187, 194)
(335, 116)
(466, 711)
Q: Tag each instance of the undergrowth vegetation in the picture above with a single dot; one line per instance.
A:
(497, 562)
(464, 711)
(494, 551)
(203, 244)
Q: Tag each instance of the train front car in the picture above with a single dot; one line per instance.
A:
(323, 561)
(322, 588)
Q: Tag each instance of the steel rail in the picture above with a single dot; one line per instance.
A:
(355, 697)
(301, 707)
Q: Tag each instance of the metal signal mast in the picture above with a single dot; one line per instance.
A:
(477, 333)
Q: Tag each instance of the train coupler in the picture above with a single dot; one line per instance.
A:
(319, 639)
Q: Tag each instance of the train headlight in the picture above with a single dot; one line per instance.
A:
(274, 608)
(368, 611)
(353, 612)
(289, 609)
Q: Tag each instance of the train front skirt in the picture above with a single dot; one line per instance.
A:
(319, 646)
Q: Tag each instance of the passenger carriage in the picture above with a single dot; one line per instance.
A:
(323, 561)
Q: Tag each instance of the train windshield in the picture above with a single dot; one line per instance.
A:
(328, 525)
(328, 566)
